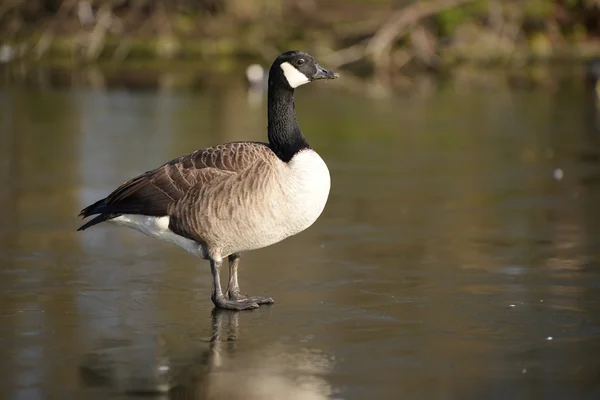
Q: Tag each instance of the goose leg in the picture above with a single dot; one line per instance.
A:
(233, 290)
(219, 299)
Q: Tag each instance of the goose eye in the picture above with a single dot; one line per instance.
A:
(300, 61)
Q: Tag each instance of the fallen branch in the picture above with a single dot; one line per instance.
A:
(378, 47)
(400, 23)
(345, 56)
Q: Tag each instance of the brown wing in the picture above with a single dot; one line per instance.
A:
(153, 192)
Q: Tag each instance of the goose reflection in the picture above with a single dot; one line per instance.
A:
(224, 369)
(267, 372)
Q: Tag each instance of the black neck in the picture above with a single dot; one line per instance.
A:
(285, 137)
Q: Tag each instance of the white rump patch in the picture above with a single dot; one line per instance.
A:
(158, 227)
(294, 77)
(163, 223)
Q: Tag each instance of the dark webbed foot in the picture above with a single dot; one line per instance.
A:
(229, 304)
(242, 298)
(233, 290)
(217, 295)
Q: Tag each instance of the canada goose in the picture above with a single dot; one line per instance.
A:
(256, 79)
(256, 76)
(221, 201)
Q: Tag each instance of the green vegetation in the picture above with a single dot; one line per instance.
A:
(365, 34)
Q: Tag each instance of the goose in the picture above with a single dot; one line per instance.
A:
(256, 80)
(256, 77)
(221, 201)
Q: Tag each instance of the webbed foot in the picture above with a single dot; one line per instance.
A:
(246, 304)
(239, 297)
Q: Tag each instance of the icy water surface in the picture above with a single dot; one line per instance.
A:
(457, 258)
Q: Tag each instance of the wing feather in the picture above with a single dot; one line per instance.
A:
(156, 191)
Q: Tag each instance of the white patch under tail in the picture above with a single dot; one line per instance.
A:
(294, 77)
(158, 227)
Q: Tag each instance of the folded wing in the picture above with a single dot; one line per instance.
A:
(154, 192)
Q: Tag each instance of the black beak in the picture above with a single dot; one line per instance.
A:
(323, 73)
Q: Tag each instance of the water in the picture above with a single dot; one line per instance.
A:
(461, 234)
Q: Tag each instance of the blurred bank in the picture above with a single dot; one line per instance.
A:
(362, 36)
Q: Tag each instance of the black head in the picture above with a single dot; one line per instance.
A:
(295, 68)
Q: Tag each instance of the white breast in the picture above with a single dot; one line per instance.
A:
(290, 202)
(308, 188)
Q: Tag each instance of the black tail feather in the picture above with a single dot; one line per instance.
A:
(100, 218)
(96, 208)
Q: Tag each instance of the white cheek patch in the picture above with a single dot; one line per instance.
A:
(294, 77)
